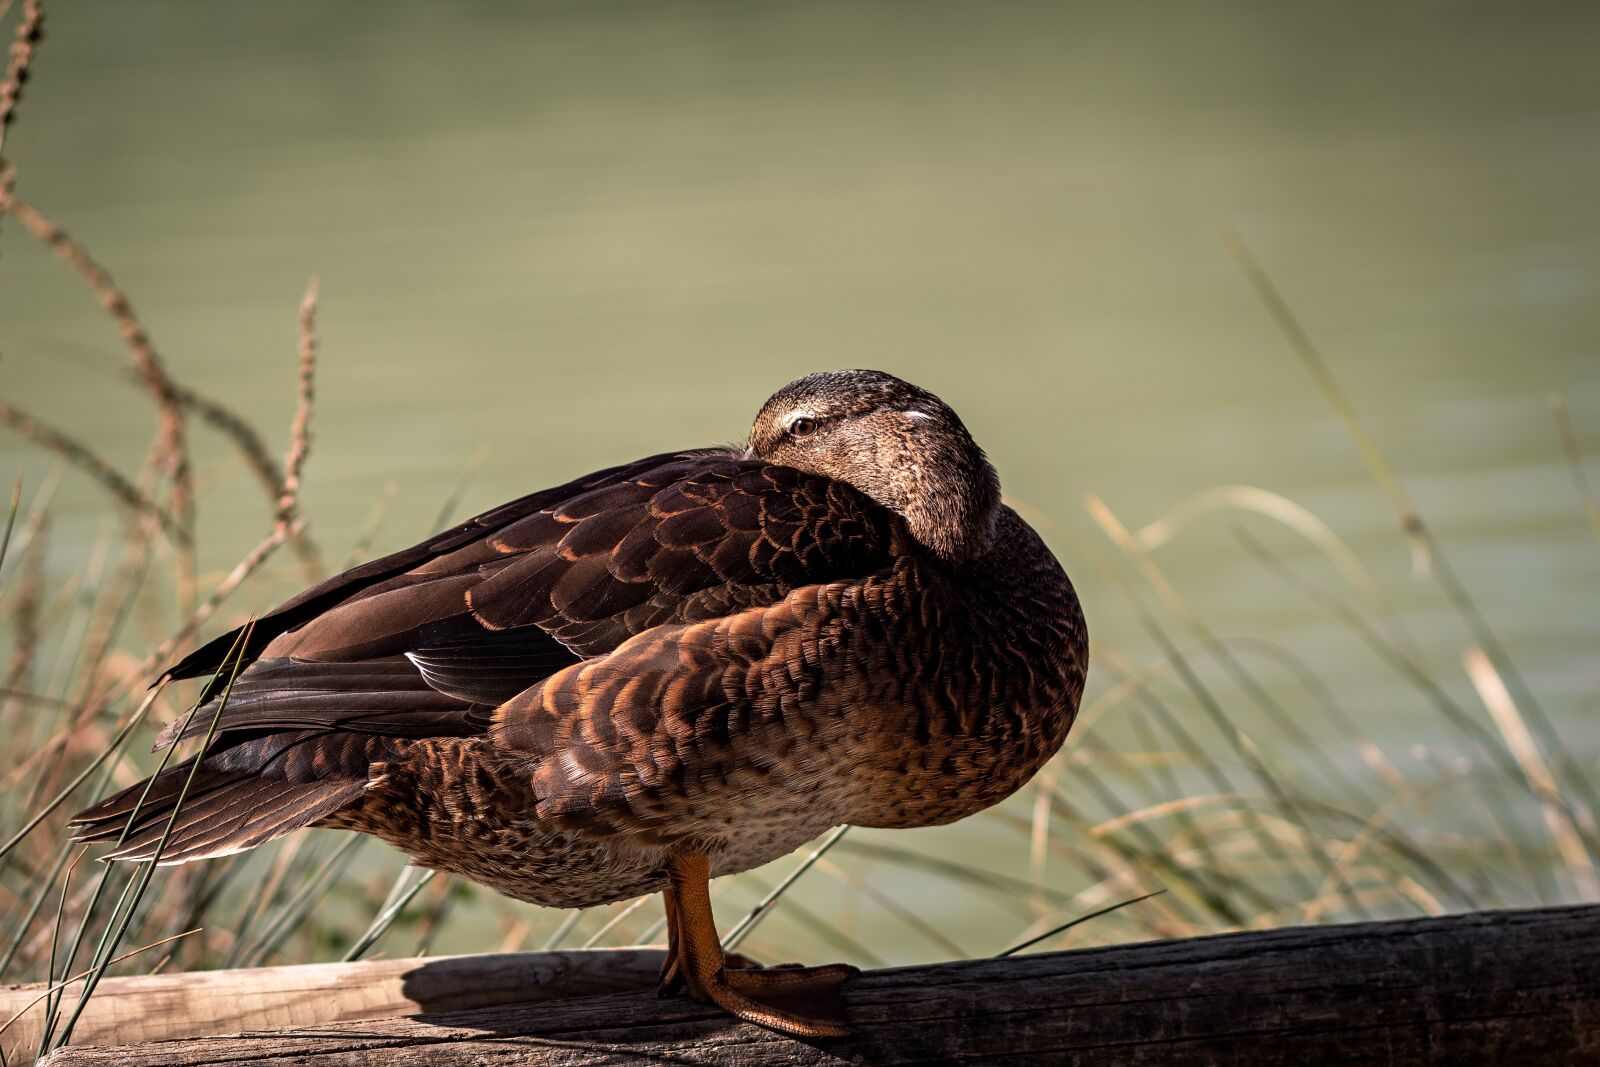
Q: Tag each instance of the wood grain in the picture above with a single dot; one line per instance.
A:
(155, 1007)
(1517, 987)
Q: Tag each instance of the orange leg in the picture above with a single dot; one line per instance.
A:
(672, 981)
(671, 970)
(803, 1001)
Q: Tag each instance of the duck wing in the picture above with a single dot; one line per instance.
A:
(426, 642)
(408, 644)
(398, 569)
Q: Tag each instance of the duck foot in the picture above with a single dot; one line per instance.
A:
(803, 1001)
(671, 981)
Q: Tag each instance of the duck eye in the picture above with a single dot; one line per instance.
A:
(803, 427)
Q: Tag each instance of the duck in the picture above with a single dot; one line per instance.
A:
(660, 673)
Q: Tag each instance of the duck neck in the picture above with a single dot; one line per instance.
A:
(954, 517)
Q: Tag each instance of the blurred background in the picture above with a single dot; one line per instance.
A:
(559, 236)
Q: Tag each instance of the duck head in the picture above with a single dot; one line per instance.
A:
(900, 445)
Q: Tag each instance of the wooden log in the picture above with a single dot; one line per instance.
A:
(199, 1003)
(1512, 987)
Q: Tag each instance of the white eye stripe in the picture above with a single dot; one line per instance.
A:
(912, 413)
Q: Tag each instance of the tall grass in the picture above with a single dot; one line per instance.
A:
(1208, 811)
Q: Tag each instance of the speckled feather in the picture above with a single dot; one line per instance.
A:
(701, 650)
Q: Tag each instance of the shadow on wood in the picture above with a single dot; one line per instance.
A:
(1494, 987)
(201, 1003)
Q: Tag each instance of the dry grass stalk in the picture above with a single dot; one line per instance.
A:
(1558, 817)
(262, 463)
(26, 613)
(170, 453)
(91, 709)
(1317, 367)
(101, 689)
(84, 458)
(1428, 554)
(300, 430)
(120, 594)
(30, 31)
(58, 987)
(1289, 514)
(288, 523)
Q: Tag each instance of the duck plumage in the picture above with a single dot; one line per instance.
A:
(721, 652)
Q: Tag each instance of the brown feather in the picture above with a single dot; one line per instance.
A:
(726, 652)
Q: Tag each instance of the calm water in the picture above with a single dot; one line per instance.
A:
(576, 233)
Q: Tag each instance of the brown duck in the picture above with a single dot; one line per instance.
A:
(659, 673)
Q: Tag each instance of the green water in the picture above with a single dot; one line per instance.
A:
(577, 233)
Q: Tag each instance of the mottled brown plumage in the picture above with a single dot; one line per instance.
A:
(699, 658)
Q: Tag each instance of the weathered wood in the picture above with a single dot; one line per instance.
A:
(1518, 987)
(154, 1007)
